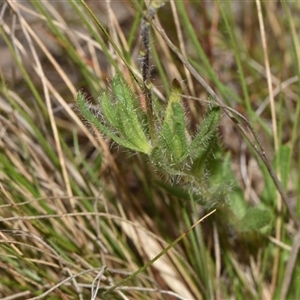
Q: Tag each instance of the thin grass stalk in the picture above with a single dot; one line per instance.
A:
(275, 136)
(171, 245)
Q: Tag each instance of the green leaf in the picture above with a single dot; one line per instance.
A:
(254, 219)
(109, 110)
(122, 93)
(180, 125)
(129, 115)
(200, 159)
(164, 141)
(172, 138)
(82, 105)
(118, 110)
(206, 132)
(174, 98)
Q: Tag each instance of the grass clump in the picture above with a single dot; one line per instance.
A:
(103, 199)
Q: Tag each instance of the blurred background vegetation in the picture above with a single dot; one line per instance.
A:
(79, 214)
